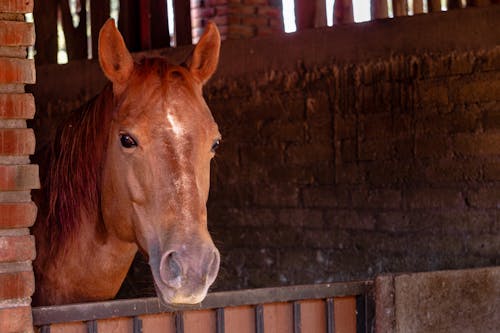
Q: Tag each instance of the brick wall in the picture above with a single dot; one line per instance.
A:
(349, 160)
(341, 172)
(347, 151)
(17, 175)
(237, 18)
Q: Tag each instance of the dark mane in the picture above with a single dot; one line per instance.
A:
(74, 175)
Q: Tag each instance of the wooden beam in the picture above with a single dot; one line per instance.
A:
(305, 11)
(128, 23)
(379, 9)
(99, 11)
(342, 12)
(434, 5)
(145, 23)
(45, 13)
(418, 7)
(182, 16)
(159, 24)
(400, 7)
(76, 37)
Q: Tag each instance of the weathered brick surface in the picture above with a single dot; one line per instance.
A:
(16, 6)
(17, 248)
(237, 19)
(204, 11)
(17, 106)
(16, 33)
(17, 71)
(16, 319)
(17, 141)
(19, 177)
(17, 215)
(16, 285)
(401, 176)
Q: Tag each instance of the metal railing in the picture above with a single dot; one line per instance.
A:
(91, 313)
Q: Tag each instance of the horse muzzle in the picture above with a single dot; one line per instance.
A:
(185, 274)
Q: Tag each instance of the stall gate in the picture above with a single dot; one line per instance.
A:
(335, 307)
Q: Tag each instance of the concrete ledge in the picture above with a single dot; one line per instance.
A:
(444, 301)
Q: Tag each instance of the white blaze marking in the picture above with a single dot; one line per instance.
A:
(183, 181)
(174, 125)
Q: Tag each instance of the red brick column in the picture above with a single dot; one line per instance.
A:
(237, 18)
(209, 10)
(17, 176)
(250, 18)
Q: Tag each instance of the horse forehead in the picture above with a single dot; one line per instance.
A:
(186, 121)
(173, 102)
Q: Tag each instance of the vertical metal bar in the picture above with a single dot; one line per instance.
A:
(179, 322)
(137, 324)
(45, 329)
(219, 321)
(369, 312)
(330, 318)
(297, 323)
(259, 319)
(361, 318)
(92, 326)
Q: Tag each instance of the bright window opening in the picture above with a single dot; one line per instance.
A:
(289, 15)
(361, 10)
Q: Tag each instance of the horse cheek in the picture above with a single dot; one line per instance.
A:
(116, 205)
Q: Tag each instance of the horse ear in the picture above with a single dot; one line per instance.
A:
(206, 54)
(116, 61)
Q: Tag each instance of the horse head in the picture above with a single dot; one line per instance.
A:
(156, 173)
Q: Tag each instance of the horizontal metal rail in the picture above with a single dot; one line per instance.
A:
(46, 315)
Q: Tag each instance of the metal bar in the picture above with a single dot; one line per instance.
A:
(137, 324)
(179, 322)
(45, 329)
(297, 323)
(330, 318)
(259, 319)
(361, 319)
(92, 326)
(144, 306)
(369, 311)
(220, 326)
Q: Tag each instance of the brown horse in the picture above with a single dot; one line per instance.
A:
(130, 170)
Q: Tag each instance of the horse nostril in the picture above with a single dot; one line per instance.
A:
(171, 270)
(213, 266)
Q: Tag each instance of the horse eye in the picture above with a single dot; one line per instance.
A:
(127, 141)
(215, 145)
